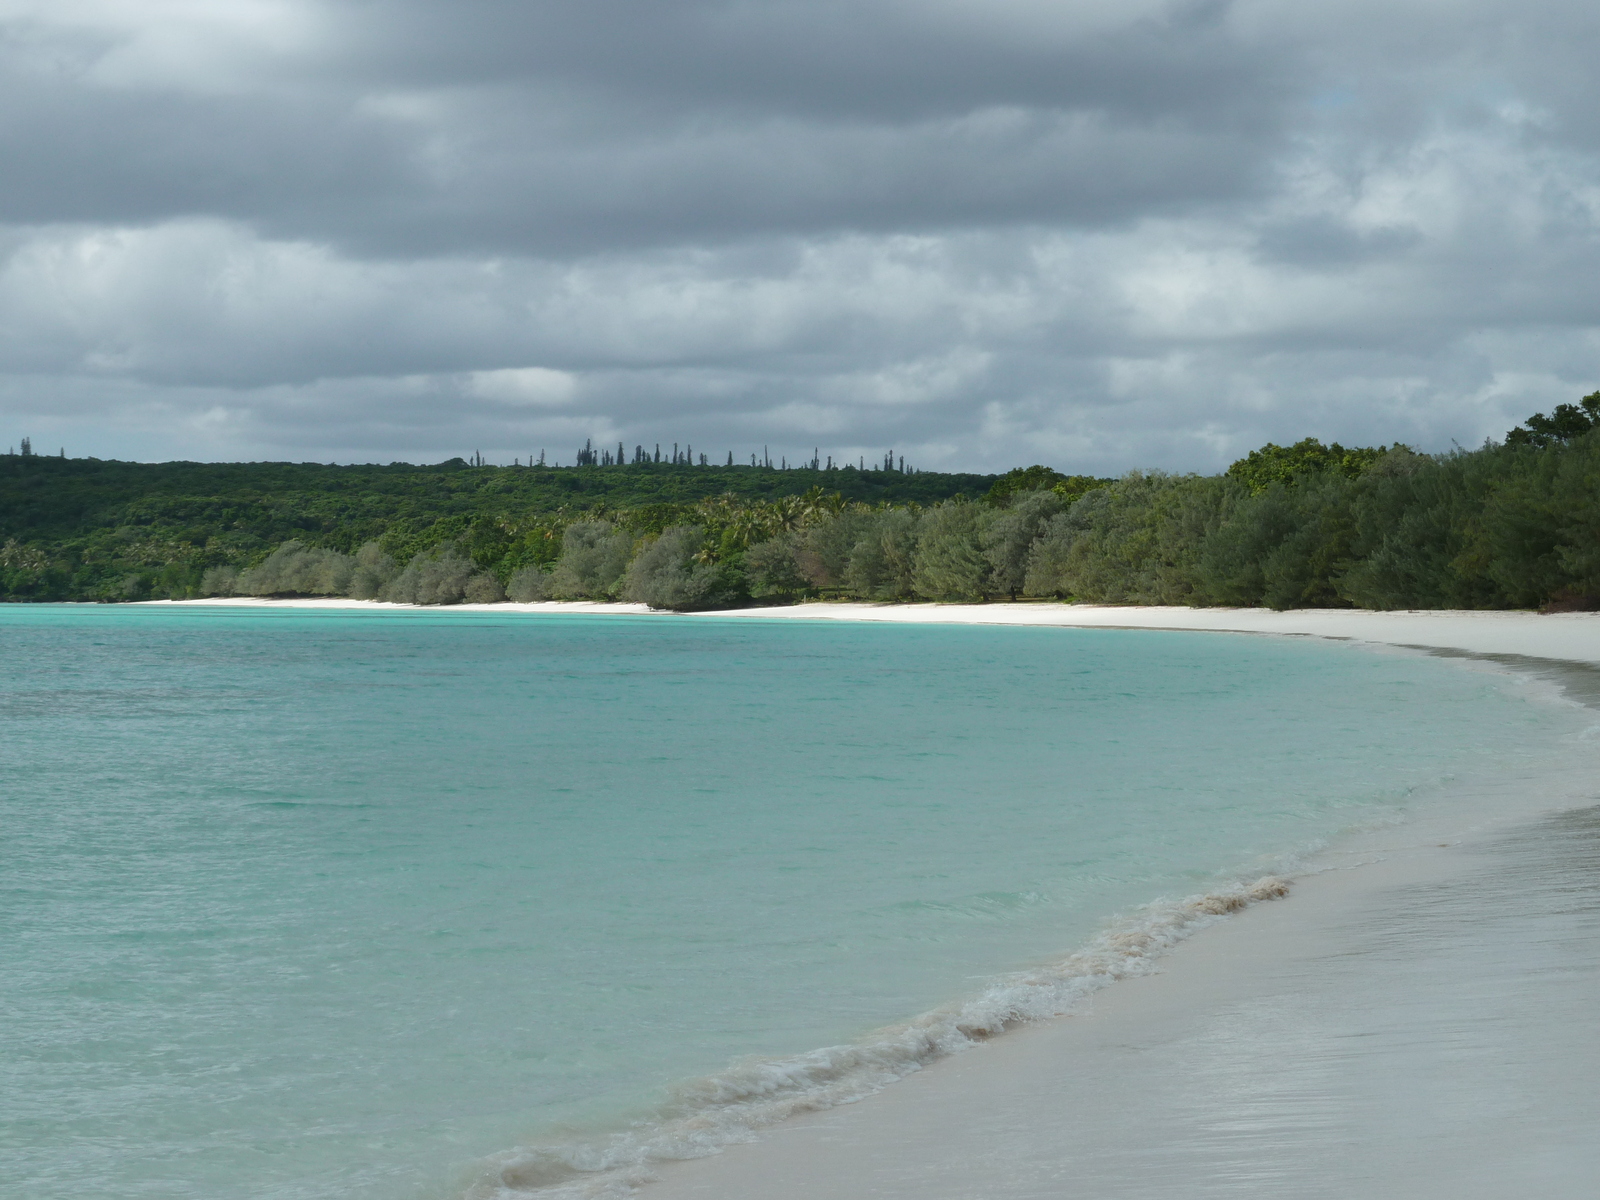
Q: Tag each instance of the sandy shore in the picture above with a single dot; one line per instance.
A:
(1416, 1020)
(1420, 1026)
(1572, 637)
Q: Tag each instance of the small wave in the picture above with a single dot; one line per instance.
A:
(718, 1110)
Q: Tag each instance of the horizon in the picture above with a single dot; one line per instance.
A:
(820, 463)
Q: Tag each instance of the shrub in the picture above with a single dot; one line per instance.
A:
(594, 556)
(483, 588)
(297, 570)
(772, 567)
(668, 574)
(219, 581)
(440, 576)
(373, 569)
(529, 585)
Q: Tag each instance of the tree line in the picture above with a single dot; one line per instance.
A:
(1511, 525)
(84, 529)
(1514, 524)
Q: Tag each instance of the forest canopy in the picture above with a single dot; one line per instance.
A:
(83, 529)
(1510, 525)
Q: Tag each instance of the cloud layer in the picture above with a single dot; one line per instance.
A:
(1100, 235)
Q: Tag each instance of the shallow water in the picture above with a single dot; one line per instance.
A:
(1438, 1043)
(339, 904)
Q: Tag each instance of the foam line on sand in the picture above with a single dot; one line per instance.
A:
(1415, 1020)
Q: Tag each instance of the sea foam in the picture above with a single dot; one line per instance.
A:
(728, 1107)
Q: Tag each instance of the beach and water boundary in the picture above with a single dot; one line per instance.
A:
(1557, 637)
(1176, 1082)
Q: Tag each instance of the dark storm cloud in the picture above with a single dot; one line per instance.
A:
(1104, 234)
(555, 128)
(862, 60)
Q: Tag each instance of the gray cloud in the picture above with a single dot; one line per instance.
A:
(1105, 235)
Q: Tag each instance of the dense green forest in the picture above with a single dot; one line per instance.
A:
(83, 529)
(1514, 524)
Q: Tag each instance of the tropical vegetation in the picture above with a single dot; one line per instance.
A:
(1514, 524)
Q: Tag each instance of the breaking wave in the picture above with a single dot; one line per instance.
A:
(718, 1110)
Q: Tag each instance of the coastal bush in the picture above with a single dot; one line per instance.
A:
(882, 564)
(1009, 536)
(950, 563)
(94, 524)
(672, 572)
(219, 581)
(372, 571)
(666, 575)
(1538, 534)
(483, 588)
(442, 576)
(297, 570)
(826, 544)
(773, 569)
(1414, 536)
(529, 585)
(594, 556)
(1282, 546)
(1135, 541)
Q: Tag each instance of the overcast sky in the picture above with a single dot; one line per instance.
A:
(1098, 234)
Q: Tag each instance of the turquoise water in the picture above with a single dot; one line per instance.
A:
(337, 904)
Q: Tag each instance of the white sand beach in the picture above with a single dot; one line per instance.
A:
(1571, 637)
(1415, 1020)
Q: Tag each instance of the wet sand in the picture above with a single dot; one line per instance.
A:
(1416, 1020)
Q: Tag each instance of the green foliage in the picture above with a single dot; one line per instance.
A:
(1513, 525)
(1565, 423)
(82, 529)
(296, 570)
(1009, 536)
(1271, 464)
(594, 554)
(372, 572)
(1074, 487)
(950, 563)
(882, 563)
(674, 571)
(773, 568)
(529, 585)
(1134, 542)
(1023, 480)
(823, 550)
(443, 575)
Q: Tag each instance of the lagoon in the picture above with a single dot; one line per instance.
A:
(359, 903)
